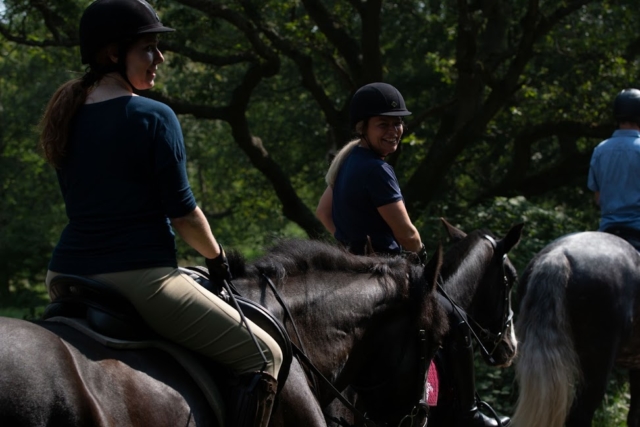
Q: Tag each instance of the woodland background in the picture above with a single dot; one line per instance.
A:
(509, 97)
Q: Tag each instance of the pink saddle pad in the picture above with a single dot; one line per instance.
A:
(432, 385)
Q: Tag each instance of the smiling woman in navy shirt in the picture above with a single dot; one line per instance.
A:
(363, 202)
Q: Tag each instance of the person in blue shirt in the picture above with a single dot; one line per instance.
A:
(121, 166)
(363, 208)
(614, 171)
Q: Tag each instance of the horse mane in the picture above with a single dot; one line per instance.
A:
(296, 257)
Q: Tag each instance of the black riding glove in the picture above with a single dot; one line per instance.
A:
(218, 267)
(422, 255)
(417, 258)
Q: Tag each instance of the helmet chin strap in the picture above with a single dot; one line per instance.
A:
(127, 81)
(122, 66)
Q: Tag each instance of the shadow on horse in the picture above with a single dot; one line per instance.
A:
(478, 277)
(340, 304)
(578, 319)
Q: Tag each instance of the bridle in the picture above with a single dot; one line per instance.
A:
(481, 334)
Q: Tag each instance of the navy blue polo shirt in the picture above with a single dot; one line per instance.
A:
(364, 183)
(123, 177)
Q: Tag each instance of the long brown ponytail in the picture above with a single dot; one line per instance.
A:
(56, 120)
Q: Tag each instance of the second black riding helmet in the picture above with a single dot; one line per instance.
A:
(376, 99)
(115, 21)
(626, 106)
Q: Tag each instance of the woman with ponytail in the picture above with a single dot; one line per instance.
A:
(121, 165)
(362, 205)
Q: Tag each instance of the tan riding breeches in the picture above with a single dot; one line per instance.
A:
(181, 310)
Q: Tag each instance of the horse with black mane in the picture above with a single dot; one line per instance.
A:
(53, 373)
(578, 319)
(478, 278)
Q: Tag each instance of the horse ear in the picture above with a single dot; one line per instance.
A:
(455, 234)
(432, 269)
(513, 237)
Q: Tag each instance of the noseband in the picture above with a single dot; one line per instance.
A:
(480, 333)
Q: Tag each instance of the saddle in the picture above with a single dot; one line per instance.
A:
(106, 316)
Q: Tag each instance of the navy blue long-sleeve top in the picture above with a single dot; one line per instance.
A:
(123, 177)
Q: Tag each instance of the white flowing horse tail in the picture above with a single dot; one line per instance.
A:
(547, 367)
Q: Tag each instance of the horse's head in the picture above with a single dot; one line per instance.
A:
(479, 278)
(391, 382)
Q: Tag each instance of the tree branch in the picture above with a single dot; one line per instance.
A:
(204, 58)
(195, 110)
(26, 41)
(216, 10)
(567, 133)
(336, 34)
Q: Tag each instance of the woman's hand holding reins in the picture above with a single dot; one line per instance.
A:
(218, 267)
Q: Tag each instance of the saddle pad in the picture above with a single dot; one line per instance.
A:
(432, 386)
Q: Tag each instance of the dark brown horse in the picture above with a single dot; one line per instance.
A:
(51, 374)
(478, 276)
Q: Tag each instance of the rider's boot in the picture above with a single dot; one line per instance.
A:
(251, 400)
(467, 413)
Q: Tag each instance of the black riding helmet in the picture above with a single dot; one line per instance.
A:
(116, 21)
(376, 99)
(626, 106)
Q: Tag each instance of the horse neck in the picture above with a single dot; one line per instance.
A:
(463, 271)
(334, 313)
